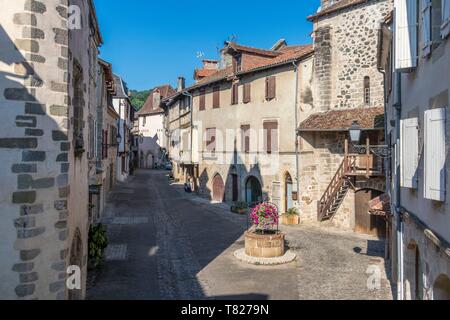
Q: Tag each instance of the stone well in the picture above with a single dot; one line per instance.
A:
(264, 246)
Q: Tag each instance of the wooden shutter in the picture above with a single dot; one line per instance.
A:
(247, 93)
(445, 27)
(202, 102)
(426, 27)
(271, 136)
(270, 88)
(434, 145)
(216, 97)
(245, 141)
(234, 94)
(405, 25)
(410, 152)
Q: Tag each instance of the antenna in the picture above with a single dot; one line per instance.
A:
(232, 38)
(200, 54)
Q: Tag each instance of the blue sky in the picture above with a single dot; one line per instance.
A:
(153, 42)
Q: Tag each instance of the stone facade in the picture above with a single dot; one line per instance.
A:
(44, 220)
(345, 53)
(345, 44)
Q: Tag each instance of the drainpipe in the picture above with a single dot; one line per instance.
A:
(297, 165)
(399, 222)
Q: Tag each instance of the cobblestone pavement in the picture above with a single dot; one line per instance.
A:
(167, 244)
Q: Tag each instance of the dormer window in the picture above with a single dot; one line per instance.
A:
(237, 63)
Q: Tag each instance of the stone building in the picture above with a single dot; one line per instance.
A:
(417, 90)
(177, 125)
(243, 131)
(152, 146)
(48, 60)
(122, 106)
(103, 142)
(336, 181)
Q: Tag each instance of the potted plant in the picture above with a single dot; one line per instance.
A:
(239, 207)
(291, 217)
(263, 239)
(97, 243)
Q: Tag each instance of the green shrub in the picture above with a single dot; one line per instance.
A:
(98, 241)
(292, 212)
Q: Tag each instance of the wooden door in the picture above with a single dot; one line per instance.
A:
(235, 187)
(364, 222)
(218, 188)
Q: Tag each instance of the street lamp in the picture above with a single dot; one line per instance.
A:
(381, 151)
(355, 132)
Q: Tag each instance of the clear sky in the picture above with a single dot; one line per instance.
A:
(153, 42)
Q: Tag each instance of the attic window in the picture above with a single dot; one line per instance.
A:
(237, 63)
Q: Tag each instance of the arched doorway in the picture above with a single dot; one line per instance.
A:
(364, 222)
(413, 273)
(76, 259)
(149, 161)
(441, 288)
(253, 190)
(218, 188)
(288, 201)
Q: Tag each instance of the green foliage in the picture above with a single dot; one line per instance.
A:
(98, 241)
(241, 205)
(138, 98)
(292, 212)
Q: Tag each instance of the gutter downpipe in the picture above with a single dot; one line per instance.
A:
(297, 164)
(399, 222)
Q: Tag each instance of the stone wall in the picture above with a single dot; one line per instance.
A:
(346, 52)
(44, 193)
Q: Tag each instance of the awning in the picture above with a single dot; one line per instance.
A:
(380, 206)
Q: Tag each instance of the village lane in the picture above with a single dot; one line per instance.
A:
(168, 244)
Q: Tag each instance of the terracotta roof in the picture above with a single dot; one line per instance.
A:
(148, 108)
(380, 205)
(342, 4)
(258, 51)
(341, 120)
(201, 73)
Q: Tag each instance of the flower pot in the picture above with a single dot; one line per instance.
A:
(264, 245)
(238, 210)
(290, 219)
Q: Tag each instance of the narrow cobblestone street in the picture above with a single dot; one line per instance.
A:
(167, 244)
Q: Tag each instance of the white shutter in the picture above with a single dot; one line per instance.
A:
(405, 24)
(426, 27)
(445, 27)
(434, 173)
(410, 152)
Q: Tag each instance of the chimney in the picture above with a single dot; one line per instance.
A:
(181, 84)
(210, 64)
(156, 98)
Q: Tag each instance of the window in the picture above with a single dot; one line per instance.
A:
(247, 93)
(270, 136)
(234, 94)
(270, 88)
(105, 144)
(405, 33)
(211, 140)
(91, 123)
(144, 121)
(78, 110)
(445, 26)
(366, 90)
(436, 22)
(202, 101)
(434, 149)
(245, 138)
(237, 63)
(409, 153)
(216, 97)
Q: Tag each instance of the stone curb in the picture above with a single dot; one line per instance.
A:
(289, 256)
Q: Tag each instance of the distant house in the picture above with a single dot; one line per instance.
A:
(152, 136)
